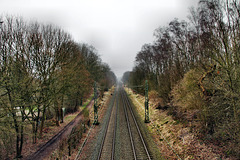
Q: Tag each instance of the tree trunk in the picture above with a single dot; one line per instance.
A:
(56, 112)
(18, 150)
(33, 132)
(76, 105)
(21, 140)
(81, 103)
(17, 147)
(57, 116)
(61, 109)
(43, 120)
(61, 114)
(36, 130)
(35, 127)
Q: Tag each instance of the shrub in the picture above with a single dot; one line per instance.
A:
(213, 101)
(187, 94)
(62, 149)
(153, 95)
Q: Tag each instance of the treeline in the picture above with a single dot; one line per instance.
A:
(42, 71)
(195, 66)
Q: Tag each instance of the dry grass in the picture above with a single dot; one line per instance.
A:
(168, 132)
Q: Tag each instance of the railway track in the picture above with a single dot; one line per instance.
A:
(122, 137)
(49, 146)
(139, 146)
(107, 148)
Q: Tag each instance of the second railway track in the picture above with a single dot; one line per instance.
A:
(49, 146)
(107, 148)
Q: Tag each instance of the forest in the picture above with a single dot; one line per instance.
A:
(193, 66)
(42, 71)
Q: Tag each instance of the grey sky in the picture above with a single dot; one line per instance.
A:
(116, 28)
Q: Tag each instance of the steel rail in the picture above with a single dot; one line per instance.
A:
(139, 132)
(129, 127)
(115, 129)
(105, 133)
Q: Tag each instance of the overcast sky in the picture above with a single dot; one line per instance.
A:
(116, 28)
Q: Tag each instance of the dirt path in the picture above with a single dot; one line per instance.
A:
(52, 144)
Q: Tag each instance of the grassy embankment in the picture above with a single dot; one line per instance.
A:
(173, 138)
